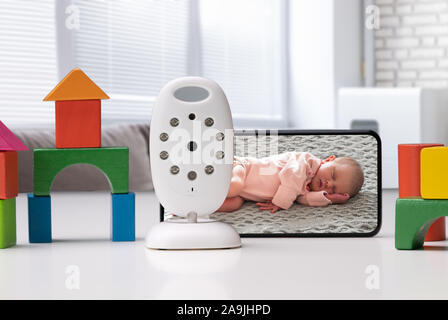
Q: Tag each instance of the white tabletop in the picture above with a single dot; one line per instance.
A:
(82, 263)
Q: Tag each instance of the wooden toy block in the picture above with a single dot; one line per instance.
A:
(409, 182)
(7, 223)
(8, 141)
(113, 162)
(76, 86)
(8, 174)
(434, 173)
(409, 168)
(437, 231)
(123, 217)
(39, 219)
(78, 124)
(413, 217)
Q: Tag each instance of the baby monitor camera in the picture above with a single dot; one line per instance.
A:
(191, 153)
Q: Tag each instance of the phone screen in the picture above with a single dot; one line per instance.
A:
(328, 183)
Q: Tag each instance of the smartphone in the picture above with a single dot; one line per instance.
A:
(357, 216)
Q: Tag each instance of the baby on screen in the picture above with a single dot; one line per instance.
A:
(277, 181)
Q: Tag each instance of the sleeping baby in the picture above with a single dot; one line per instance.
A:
(275, 182)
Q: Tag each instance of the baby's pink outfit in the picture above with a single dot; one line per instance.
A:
(282, 178)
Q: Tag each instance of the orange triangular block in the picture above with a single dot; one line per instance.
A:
(76, 86)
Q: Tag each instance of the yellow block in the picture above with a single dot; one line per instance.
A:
(434, 173)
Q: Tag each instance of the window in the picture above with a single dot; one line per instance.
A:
(243, 49)
(131, 48)
(27, 61)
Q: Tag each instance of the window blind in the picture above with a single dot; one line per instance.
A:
(28, 68)
(132, 48)
(242, 50)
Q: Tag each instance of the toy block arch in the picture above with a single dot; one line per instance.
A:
(113, 162)
(413, 218)
(39, 218)
(80, 176)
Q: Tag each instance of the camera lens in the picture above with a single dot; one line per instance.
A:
(163, 155)
(220, 154)
(164, 136)
(192, 175)
(209, 169)
(220, 136)
(192, 146)
(191, 116)
(174, 122)
(209, 122)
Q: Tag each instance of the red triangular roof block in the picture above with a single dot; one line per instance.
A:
(9, 141)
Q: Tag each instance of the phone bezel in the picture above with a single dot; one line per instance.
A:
(256, 132)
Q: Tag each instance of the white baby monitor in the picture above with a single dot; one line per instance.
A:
(191, 153)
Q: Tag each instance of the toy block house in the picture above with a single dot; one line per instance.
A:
(422, 205)
(78, 140)
(9, 145)
(409, 182)
(78, 111)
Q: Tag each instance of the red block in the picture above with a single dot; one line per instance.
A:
(9, 176)
(436, 231)
(78, 124)
(409, 182)
(409, 168)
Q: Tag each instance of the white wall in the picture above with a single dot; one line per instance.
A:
(411, 45)
(348, 45)
(326, 49)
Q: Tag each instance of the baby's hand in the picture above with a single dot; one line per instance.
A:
(268, 205)
(336, 198)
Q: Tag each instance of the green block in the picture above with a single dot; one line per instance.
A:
(113, 162)
(413, 217)
(7, 223)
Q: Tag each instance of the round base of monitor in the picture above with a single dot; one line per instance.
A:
(180, 234)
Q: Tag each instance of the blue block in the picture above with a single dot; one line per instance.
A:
(39, 218)
(123, 217)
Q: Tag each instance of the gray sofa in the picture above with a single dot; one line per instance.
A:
(84, 177)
